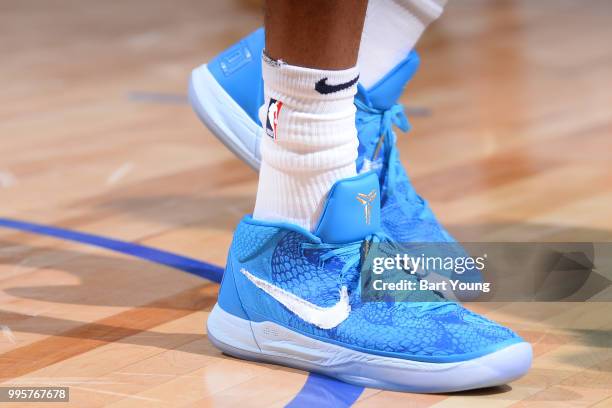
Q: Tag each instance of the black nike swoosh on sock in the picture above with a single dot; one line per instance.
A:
(324, 88)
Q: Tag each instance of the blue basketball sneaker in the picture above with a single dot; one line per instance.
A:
(293, 298)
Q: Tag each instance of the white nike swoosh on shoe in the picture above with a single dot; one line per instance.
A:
(323, 317)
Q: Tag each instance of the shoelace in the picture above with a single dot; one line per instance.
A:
(387, 119)
(351, 255)
(395, 115)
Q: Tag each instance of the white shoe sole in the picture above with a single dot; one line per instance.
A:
(224, 117)
(272, 343)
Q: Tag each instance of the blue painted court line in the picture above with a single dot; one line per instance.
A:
(318, 391)
(322, 391)
(183, 263)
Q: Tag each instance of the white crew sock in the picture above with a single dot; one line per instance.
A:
(312, 145)
(390, 31)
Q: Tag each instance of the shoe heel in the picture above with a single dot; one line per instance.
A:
(228, 299)
(231, 334)
(224, 117)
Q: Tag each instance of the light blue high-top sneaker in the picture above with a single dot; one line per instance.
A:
(227, 92)
(293, 298)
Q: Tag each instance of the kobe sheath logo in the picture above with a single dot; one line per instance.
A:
(366, 200)
(324, 88)
(274, 109)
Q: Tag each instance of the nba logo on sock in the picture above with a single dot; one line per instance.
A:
(272, 120)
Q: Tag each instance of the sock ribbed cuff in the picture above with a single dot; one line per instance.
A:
(300, 87)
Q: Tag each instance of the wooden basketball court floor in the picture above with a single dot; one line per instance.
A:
(511, 142)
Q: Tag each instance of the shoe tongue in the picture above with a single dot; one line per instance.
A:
(352, 210)
(385, 93)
